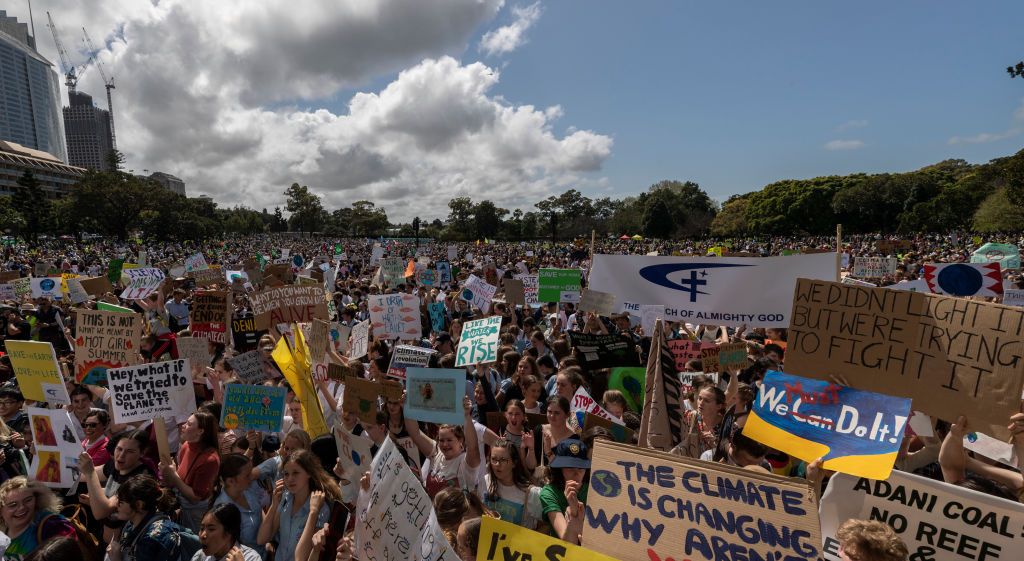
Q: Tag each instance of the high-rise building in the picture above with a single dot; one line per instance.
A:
(168, 181)
(88, 133)
(29, 92)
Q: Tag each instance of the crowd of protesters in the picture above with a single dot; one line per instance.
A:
(225, 495)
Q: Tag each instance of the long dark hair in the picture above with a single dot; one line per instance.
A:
(520, 477)
(144, 488)
(228, 515)
(208, 424)
(231, 465)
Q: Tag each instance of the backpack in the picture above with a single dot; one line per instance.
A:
(185, 540)
(74, 513)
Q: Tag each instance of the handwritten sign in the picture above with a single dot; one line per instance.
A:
(195, 349)
(141, 283)
(253, 407)
(105, 340)
(319, 335)
(937, 521)
(288, 304)
(602, 303)
(210, 314)
(361, 398)
(951, 355)
(196, 263)
(501, 540)
(244, 334)
(686, 379)
(76, 292)
(437, 315)
(360, 340)
(683, 351)
(1013, 297)
(148, 391)
(874, 267)
(649, 313)
(647, 505)
(857, 432)
(395, 316)
(603, 351)
(408, 356)
(35, 367)
(732, 355)
(583, 403)
(435, 395)
(393, 270)
(479, 342)
(478, 293)
(251, 367)
(529, 288)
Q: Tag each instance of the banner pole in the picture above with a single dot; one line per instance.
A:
(839, 252)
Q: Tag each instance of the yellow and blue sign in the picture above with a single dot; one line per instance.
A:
(857, 432)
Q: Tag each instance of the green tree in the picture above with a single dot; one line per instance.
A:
(31, 203)
(459, 217)
(487, 219)
(112, 201)
(305, 207)
(658, 219)
(11, 220)
(732, 219)
(998, 214)
(368, 220)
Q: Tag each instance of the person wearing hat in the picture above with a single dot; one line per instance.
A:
(562, 500)
(443, 344)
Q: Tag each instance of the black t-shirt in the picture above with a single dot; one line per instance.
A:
(23, 327)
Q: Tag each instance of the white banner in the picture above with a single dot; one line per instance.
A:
(147, 391)
(729, 291)
(196, 263)
(142, 283)
(56, 445)
(478, 293)
(1013, 297)
(937, 521)
(874, 267)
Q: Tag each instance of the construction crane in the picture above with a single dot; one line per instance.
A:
(70, 78)
(107, 82)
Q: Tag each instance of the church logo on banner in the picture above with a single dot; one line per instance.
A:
(964, 279)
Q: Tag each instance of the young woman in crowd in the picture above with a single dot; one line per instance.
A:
(454, 456)
(562, 500)
(270, 470)
(556, 430)
(219, 534)
(102, 485)
(29, 516)
(195, 473)
(507, 486)
(299, 507)
(148, 533)
(452, 506)
(238, 488)
(96, 439)
(703, 424)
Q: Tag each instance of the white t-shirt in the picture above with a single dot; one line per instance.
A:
(456, 472)
(514, 504)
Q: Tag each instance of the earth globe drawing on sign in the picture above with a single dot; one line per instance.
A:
(47, 285)
(960, 280)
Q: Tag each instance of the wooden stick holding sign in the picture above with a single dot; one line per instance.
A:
(160, 430)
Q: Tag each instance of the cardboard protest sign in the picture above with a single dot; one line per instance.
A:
(686, 379)
(206, 277)
(603, 351)
(56, 445)
(393, 270)
(937, 521)
(478, 293)
(435, 395)
(874, 267)
(683, 350)
(360, 340)
(147, 391)
(709, 357)
(253, 407)
(601, 303)
(400, 525)
(500, 540)
(515, 294)
(479, 342)
(319, 336)
(244, 334)
(395, 316)
(856, 282)
(46, 287)
(716, 291)
(646, 505)
(732, 356)
(341, 372)
(620, 433)
(857, 432)
(437, 315)
(559, 285)
(892, 246)
(354, 454)
(631, 381)
(288, 304)
(1013, 297)
(141, 283)
(649, 313)
(582, 403)
(96, 286)
(105, 340)
(250, 367)
(7, 292)
(361, 398)
(444, 272)
(210, 314)
(35, 367)
(964, 279)
(76, 292)
(529, 288)
(7, 276)
(1007, 255)
(196, 263)
(950, 355)
(408, 356)
(195, 349)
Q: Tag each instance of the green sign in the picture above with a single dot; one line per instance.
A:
(114, 270)
(558, 285)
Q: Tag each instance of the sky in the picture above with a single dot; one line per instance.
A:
(411, 103)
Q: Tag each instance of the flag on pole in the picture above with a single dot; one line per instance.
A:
(661, 421)
(294, 364)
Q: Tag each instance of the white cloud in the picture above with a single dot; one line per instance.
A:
(852, 124)
(986, 137)
(508, 38)
(834, 145)
(230, 97)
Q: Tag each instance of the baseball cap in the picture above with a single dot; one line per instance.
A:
(571, 453)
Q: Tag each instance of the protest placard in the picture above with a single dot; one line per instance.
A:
(937, 521)
(8, 276)
(686, 379)
(631, 381)
(319, 336)
(559, 285)
(46, 287)
(393, 270)
(206, 277)
(244, 334)
(856, 282)
(360, 340)
(951, 355)
(1007, 255)
(620, 433)
(646, 505)
(355, 455)
(195, 263)
(529, 289)
(478, 293)
(582, 403)
(56, 446)
(209, 315)
(253, 407)
(196, 350)
(479, 342)
(22, 287)
(147, 391)
(141, 283)
(893, 246)
(408, 356)
(964, 279)
(361, 398)
(683, 350)
(855, 431)
(250, 367)
(501, 541)
(7, 292)
(515, 293)
(437, 315)
(435, 395)
(1013, 297)
(288, 304)
(715, 291)
(97, 286)
(709, 357)
(444, 272)
(874, 267)
(114, 268)
(399, 523)
(601, 303)
(732, 356)
(603, 351)
(395, 316)
(105, 340)
(35, 366)
(76, 292)
(648, 314)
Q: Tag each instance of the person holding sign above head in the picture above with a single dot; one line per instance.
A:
(984, 478)
(454, 456)
(195, 473)
(562, 500)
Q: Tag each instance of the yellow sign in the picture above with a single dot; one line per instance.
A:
(64, 282)
(35, 366)
(295, 366)
(503, 540)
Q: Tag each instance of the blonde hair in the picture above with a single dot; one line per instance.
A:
(46, 500)
(870, 540)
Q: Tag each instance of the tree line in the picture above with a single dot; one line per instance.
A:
(952, 194)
